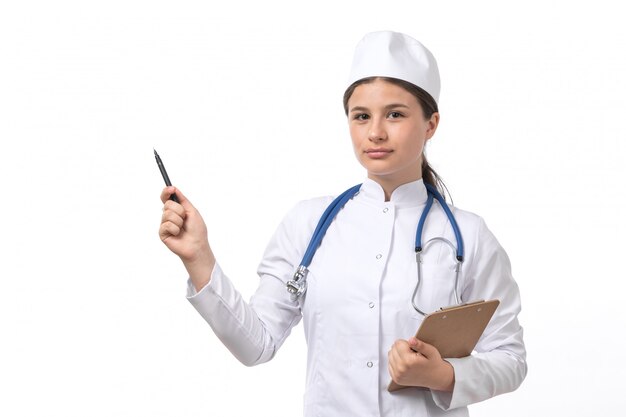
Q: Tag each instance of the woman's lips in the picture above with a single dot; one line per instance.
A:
(377, 153)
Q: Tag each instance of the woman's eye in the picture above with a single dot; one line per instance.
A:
(394, 115)
(361, 116)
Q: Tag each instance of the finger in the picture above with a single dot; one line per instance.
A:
(167, 230)
(166, 193)
(171, 216)
(392, 356)
(392, 372)
(401, 344)
(397, 353)
(403, 347)
(174, 207)
(393, 363)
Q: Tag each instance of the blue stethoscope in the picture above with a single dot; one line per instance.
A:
(297, 286)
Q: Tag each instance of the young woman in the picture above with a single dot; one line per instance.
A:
(358, 306)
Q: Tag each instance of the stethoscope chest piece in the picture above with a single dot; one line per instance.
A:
(297, 286)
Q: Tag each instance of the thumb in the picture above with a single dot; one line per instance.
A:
(425, 349)
(182, 200)
(413, 342)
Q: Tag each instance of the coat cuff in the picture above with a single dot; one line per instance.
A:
(458, 397)
(213, 287)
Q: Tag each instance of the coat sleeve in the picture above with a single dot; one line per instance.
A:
(254, 331)
(498, 364)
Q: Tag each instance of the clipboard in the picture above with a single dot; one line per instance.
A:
(454, 331)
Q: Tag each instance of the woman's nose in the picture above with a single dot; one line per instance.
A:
(377, 132)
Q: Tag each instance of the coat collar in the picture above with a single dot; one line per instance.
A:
(411, 194)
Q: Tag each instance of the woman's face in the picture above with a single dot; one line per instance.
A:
(389, 131)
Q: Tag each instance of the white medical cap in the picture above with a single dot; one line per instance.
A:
(395, 55)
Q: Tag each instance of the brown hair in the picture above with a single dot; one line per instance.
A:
(429, 106)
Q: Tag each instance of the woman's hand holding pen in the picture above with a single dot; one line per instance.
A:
(415, 363)
(184, 232)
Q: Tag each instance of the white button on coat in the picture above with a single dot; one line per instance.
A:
(344, 276)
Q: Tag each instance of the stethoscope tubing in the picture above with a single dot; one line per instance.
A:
(327, 218)
(297, 286)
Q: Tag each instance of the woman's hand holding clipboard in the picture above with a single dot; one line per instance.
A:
(454, 331)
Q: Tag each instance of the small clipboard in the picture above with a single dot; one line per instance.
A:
(454, 331)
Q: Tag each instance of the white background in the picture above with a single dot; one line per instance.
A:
(243, 102)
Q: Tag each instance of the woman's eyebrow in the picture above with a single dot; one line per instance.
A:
(358, 108)
(395, 106)
(387, 107)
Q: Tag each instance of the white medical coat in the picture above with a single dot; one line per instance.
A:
(358, 303)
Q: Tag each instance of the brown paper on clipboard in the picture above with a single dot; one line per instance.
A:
(454, 331)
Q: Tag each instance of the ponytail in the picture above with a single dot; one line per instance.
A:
(430, 176)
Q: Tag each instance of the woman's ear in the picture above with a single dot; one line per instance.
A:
(431, 125)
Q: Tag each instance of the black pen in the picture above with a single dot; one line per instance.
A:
(164, 174)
